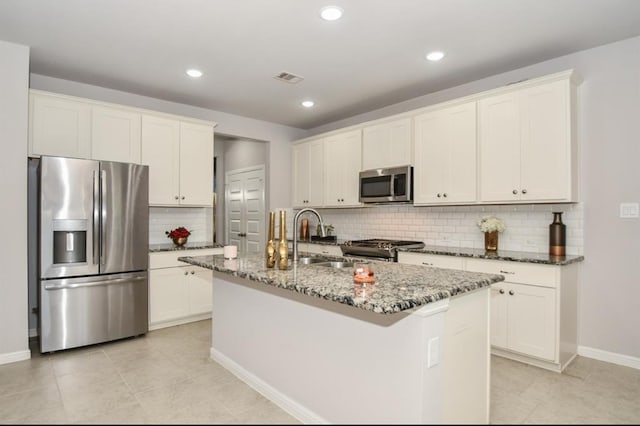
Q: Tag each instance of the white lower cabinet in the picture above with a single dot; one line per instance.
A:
(533, 314)
(178, 293)
(326, 249)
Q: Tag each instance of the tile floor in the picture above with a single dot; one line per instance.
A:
(166, 377)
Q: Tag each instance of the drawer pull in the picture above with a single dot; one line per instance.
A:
(501, 291)
(427, 263)
(506, 272)
(511, 293)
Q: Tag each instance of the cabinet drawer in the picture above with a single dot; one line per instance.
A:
(434, 260)
(169, 259)
(326, 249)
(517, 272)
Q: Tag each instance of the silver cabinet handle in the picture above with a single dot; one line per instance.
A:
(501, 291)
(506, 272)
(511, 293)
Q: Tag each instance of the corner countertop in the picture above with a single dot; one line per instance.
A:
(155, 248)
(512, 256)
(398, 287)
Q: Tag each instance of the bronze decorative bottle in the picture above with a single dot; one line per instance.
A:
(557, 235)
(283, 247)
(271, 244)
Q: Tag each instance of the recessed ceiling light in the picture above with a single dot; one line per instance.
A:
(194, 73)
(331, 13)
(308, 104)
(435, 56)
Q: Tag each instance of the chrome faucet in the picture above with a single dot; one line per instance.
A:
(295, 230)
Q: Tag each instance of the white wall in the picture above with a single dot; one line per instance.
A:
(278, 136)
(14, 101)
(609, 131)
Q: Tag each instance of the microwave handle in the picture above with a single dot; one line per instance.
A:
(391, 183)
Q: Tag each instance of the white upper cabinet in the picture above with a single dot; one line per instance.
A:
(342, 165)
(445, 156)
(161, 152)
(527, 145)
(308, 174)
(196, 164)
(115, 135)
(59, 126)
(180, 160)
(387, 145)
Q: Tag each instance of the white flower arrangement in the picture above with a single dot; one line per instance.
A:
(491, 224)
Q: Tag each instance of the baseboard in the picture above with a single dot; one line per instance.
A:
(179, 321)
(292, 407)
(612, 357)
(15, 356)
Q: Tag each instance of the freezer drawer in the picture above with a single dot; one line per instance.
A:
(84, 311)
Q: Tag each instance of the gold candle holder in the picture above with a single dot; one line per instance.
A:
(271, 245)
(283, 248)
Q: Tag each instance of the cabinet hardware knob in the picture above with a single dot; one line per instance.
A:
(511, 293)
(515, 191)
(193, 272)
(427, 263)
(506, 272)
(176, 197)
(501, 291)
(524, 191)
(186, 272)
(444, 195)
(183, 197)
(438, 195)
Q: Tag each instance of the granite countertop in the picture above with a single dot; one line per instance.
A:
(398, 287)
(155, 248)
(513, 256)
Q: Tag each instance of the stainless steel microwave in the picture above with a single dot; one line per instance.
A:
(392, 185)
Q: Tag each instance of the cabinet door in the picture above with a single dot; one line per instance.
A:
(200, 290)
(115, 135)
(342, 159)
(59, 126)
(196, 164)
(301, 175)
(445, 159)
(168, 295)
(532, 320)
(161, 152)
(387, 145)
(499, 145)
(498, 315)
(546, 143)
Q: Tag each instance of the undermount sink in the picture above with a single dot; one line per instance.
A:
(310, 260)
(335, 264)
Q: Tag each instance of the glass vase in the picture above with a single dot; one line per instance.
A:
(491, 241)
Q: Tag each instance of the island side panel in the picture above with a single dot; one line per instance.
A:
(328, 362)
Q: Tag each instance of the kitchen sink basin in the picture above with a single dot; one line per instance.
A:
(310, 260)
(335, 264)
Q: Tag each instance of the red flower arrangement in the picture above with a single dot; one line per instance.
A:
(180, 232)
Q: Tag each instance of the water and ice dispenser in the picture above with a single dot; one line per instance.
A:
(69, 241)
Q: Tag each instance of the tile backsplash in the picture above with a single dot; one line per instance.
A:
(198, 220)
(527, 226)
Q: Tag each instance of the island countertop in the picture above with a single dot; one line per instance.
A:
(398, 287)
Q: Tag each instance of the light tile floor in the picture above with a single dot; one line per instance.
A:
(166, 377)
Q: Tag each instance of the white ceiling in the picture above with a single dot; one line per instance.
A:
(372, 57)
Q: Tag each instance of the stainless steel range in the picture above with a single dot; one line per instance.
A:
(380, 249)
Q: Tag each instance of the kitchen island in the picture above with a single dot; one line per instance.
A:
(411, 348)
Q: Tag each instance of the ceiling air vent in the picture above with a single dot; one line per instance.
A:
(288, 77)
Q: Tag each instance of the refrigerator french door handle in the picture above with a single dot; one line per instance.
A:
(96, 217)
(103, 219)
(94, 283)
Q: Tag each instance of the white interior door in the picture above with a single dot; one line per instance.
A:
(244, 201)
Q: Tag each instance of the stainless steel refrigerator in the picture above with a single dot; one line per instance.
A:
(93, 247)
